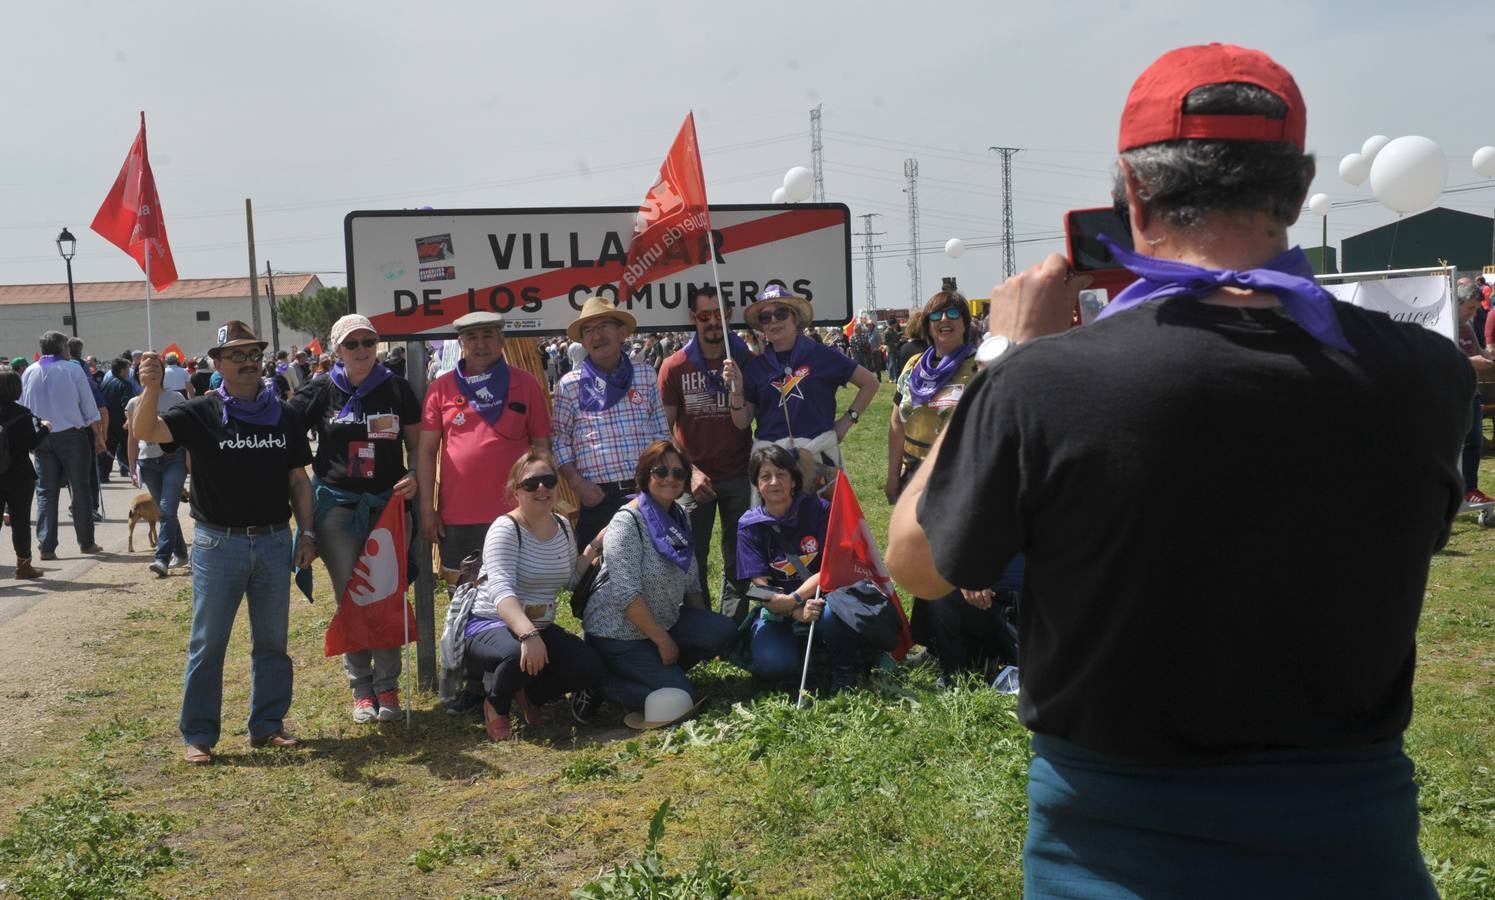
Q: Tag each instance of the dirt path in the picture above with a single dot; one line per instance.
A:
(62, 625)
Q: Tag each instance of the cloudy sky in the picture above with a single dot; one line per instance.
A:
(317, 108)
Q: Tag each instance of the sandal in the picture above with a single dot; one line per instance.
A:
(496, 725)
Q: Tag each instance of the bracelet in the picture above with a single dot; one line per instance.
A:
(533, 633)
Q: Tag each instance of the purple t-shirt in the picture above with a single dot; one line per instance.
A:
(803, 528)
(803, 383)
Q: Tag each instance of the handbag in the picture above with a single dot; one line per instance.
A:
(587, 584)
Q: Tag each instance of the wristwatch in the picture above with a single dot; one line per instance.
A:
(306, 533)
(854, 416)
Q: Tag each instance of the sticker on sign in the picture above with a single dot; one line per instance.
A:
(538, 266)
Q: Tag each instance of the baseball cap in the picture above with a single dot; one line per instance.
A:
(1154, 110)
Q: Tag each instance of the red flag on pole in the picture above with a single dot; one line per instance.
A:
(130, 218)
(372, 613)
(673, 211)
(851, 555)
(173, 347)
(315, 347)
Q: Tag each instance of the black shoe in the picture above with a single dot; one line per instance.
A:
(464, 704)
(585, 704)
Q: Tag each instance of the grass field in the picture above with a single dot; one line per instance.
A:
(900, 790)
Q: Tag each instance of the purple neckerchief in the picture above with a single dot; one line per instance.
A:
(1289, 276)
(262, 410)
(487, 393)
(760, 514)
(714, 380)
(280, 368)
(669, 532)
(802, 348)
(928, 377)
(601, 391)
(48, 360)
(354, 407)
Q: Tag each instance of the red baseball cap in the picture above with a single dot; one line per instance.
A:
(1154, 110)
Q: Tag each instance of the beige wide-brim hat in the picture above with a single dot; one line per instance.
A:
(598, 308)
(775, 295)
(663, 708)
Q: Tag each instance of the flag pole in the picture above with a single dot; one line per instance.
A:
(150, 341)
(804, 673)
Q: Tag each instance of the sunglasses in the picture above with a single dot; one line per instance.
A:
(777, 314)
(239, 356)
(663, 472)
(706, 318)
(366, 343)
(535, 482)
(948, 312)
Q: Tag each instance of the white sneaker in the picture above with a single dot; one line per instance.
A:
(389, 706)
(178, 561)
(158, 567)
(364, 710)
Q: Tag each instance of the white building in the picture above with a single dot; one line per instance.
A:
(111, 314)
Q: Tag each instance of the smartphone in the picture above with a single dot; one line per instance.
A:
(1082, 228)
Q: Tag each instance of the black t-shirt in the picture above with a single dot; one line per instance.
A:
(202, 382)
(387, 411)
(239, 471)
(1227, 524)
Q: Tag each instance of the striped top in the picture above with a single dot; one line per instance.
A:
(525, 567)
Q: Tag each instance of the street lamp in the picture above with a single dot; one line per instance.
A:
(67, 245)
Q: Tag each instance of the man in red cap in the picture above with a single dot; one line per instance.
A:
(1214, 708)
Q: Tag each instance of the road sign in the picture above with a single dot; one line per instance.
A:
(413, 272)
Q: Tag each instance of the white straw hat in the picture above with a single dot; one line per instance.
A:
(665, 706)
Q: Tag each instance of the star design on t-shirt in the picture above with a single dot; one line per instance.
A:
(788, 386)
(785, 567)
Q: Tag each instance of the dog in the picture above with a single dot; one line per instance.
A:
(144, 509)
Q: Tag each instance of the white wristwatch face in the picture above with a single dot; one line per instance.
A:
(992, 346)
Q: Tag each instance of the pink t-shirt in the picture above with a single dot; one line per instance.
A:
(476, 458)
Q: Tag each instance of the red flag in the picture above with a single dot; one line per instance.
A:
(851, 555)
(849, 329)
(372, 613)
(130, 218)
(315, 346)
(173, 348)
(673, 211)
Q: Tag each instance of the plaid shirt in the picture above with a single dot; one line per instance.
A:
(606, 446)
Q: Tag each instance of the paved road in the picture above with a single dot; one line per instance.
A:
(71, 567)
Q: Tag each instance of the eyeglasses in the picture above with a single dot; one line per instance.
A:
(663, 472)
(707, 317)
(535, 482)
(589, 330)
(366, 343)
(239, 356)
(777, 314)
(948, 312)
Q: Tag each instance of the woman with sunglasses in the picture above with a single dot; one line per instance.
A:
(513, 643)
(647, 618)
(361, 414)
(791, 388)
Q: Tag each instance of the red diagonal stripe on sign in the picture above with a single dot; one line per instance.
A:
(558, 282)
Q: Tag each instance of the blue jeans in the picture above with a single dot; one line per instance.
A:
(634, 670)
(226, 568)
(1474, 446)
(65, 457)
(370, 672)
(779, 653)
(164, 476)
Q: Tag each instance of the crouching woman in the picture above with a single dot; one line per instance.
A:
(513, 643)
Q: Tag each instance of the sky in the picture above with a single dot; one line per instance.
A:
(313, 109)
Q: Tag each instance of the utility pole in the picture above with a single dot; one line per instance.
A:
(867, 250)
(274, 319)
(911, 172)
(1008, 266)
(254, 279)
(817, 160)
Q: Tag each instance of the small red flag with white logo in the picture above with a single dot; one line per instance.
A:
(372, 613)
(672, 221)
(130, 218)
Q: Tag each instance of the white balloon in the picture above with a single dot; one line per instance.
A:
(799, 183)
(1354, 168)
(1409, 174)
(1318, 204)
(1373, 145)
(954, 247)
(779, 196)
(1484, 161)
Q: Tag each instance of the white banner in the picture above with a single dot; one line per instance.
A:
(414, 272)
(1423, 298)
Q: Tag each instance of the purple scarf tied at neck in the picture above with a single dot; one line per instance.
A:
(49, 359)
(601, 391)
(487, 393)
(929, 376)
(262, 410)
(353, 409)
(740, 354)
(1289, 277)
(760, 514)
(803, 346)
(670, 532)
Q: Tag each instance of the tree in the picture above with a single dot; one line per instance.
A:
(314, 314)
